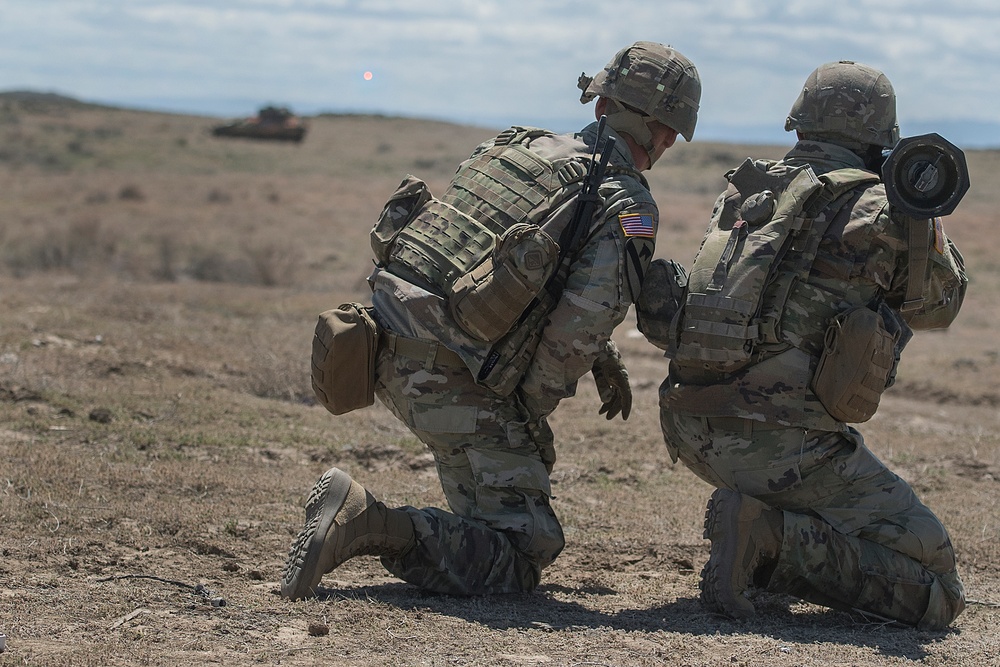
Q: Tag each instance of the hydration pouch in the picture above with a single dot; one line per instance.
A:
(857, 364)
(401, 208)
(343, 358)
(489, 300)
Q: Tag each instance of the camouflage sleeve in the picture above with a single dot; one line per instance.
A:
(663, 292)
(600, 288)
(873, 256)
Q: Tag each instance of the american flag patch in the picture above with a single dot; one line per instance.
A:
(637, 224)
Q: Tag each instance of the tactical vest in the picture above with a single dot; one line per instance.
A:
(490, 246)
(755, 257)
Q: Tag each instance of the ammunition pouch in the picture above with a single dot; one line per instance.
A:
(504, 366)
(344, 347)
(857, 364)
(488, 300)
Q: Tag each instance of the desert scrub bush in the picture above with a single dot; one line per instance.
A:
(131, 192)
(279, 376)
(76, 246)
(267, 263)
(215, 266)
(274, 263)
(217, 196)
(167, 251)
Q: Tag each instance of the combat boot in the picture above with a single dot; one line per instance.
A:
(343, 520)
(746, 538)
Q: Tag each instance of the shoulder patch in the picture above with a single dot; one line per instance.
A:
(638, 255)
(640, 225)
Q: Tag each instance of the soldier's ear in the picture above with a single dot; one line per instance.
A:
(600, 107)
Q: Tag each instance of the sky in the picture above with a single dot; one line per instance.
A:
(495, 63)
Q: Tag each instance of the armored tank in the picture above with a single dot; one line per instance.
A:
(274, 123)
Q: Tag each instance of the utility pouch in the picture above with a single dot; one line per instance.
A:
(401, 208)
(489, 300)
(343, 358)
(856, 366)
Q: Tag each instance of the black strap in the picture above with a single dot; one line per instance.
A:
(588, 201)
(919, 252)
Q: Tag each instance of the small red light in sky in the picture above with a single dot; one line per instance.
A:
(368, 76)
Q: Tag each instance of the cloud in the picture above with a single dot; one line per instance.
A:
(492, 61)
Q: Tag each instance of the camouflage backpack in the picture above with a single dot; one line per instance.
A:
(762, 240)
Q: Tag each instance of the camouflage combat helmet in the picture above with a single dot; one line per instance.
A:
(847, 102)
(648, 81)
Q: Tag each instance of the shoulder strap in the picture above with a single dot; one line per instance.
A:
(837, 183)
(819, 211)
(517, 134)
(919, 253)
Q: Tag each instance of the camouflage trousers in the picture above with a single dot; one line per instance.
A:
(493, 463)
(855, 535)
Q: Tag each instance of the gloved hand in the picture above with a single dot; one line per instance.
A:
(611, 378)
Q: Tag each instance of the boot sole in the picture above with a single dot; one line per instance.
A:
(301, 577)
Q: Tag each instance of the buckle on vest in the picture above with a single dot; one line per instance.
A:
(738, 232)
(767, 330)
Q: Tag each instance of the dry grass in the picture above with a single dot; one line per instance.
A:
(158, 289)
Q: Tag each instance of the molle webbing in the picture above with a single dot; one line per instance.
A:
(735, 265)
(503, 186)
(509, 358)
(753, 262)
(509, 184)
(439, 246)
(456, 246)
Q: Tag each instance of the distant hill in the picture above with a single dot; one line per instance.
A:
(29, 96)
(31, 100)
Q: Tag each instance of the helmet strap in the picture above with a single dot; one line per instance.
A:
(625, 121)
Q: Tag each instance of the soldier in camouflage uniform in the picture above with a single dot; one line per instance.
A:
(482, 408)
(802, 507)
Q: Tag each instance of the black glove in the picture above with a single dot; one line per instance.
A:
(611, 378)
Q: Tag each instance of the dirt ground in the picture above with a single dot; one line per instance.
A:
(158, 437)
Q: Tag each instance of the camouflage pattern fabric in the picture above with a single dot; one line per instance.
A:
(861, 259)
(501, 531)
(495, 451)
(856, 536)
(654, 80)
(759, 243)
(606, 275)
(847, 102)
